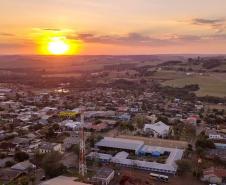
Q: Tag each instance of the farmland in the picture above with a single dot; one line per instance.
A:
(211, 85)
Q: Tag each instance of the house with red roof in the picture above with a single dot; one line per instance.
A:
(214, 175)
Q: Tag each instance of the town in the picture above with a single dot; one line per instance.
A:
(120, 124)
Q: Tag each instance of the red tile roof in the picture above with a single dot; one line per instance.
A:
(219, 172)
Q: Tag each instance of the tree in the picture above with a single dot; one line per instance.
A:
(204, 143)
(75, 149)
(139, 121)
(52, 165)
(94, 138)
(200, 151)
(190, 148)
(183, 166)
(50, 133)
(24, 180)
(21, 156)
(55, 126)
(9, 163)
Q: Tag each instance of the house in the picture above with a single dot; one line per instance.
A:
(214, 175)
(193, 119)
(22, 142)
(126, 147)
(213, 134)
(70, 125)
(70, 141)
(104, 176)
(7, 146)
(4, 161)
(8, 175)
(219, 143)
(216, 153)
(158, 129)
(63, 180)
(70, 160)
(124, 117)
(119, 144)
(47, 147)
(25, 166)
(89, 114)
(97, 127)
(9, 104)
(153, 118)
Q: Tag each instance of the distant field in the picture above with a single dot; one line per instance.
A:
(63, 75)
(168, 75)
(212, 85)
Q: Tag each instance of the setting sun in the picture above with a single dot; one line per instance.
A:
(58, 46)
(51, 42)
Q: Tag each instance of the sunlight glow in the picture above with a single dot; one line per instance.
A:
(56, 43)
(58, 46)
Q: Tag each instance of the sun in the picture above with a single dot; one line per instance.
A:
(58, 46)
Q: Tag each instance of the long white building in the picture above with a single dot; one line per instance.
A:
(139, 148)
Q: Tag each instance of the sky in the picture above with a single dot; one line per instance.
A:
(115, 27)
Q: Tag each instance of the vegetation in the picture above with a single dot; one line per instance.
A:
(208, 85)
(52, 165)
(184, 166)
(21, 156)
(203, 142)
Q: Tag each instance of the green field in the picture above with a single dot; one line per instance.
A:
(212, 85)
(168, 75)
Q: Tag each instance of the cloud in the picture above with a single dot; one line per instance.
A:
(208, 21)
(51, 29)
(4, 45)
(128, 39)
(6, 34)
(136, 39)
(218, 25)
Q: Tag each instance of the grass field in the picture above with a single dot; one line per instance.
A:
(212, 85)
(168, 75)
(63, 75)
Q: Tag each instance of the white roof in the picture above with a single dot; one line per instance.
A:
(159, 127)
(122, 155)
(72, 124)
(23, 166)
(120, 143)
(144, 164)
(62, 180)
(100, 156)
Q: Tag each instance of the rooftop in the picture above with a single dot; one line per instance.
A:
(158, 127)
(120, 143)
(103, 173)
(62, 180)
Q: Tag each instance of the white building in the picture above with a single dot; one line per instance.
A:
(47, 147)
(118, 143)
(24, 166)
(122, 157)
(62, 180)
(104, 176)
(70, 141)
(214, 134)
(73, 125)
(157, 129)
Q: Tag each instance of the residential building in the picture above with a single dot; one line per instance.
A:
(158, 129)
(104, 176)
(63, 180)
(47, 147)
(214, 175)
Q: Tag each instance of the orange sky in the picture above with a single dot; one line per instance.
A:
(114, 26)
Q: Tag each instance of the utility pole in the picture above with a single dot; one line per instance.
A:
(82, 159)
